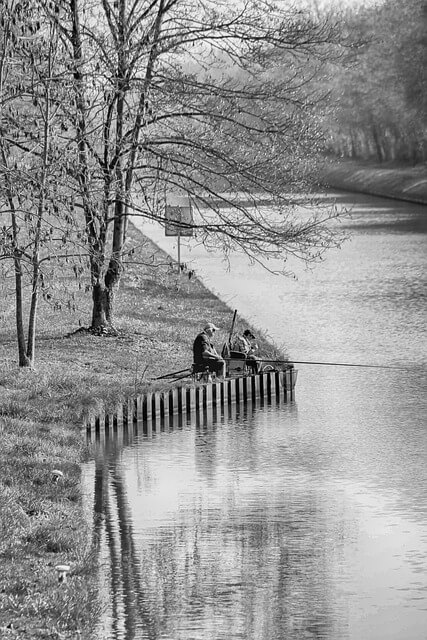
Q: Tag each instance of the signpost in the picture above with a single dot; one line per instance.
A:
(179, 219)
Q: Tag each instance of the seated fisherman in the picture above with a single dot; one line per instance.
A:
(244, 344)
(204, 352)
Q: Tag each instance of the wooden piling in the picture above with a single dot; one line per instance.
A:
(159, 411)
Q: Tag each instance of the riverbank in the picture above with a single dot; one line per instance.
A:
(43, 523)
(385, 180)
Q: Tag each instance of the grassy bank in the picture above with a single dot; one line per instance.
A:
(41, 412)
(386, 180)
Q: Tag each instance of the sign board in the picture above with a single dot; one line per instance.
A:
(178, 216)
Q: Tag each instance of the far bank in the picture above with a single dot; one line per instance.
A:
(384, 180)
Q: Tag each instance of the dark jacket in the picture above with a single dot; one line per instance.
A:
(200, 345)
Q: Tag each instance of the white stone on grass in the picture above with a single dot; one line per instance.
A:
(62, 570)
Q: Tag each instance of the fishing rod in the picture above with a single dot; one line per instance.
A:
(336, 364)
(176, 374)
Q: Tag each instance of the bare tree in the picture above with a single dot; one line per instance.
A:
(36, 219)
(122, 102)
(209, 99)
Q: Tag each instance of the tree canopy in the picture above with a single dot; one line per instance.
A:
(210, 99)
(380, 96)
(204, 98)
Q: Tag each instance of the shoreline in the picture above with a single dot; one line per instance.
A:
(42, 412)
(386, 181)
(159, 312)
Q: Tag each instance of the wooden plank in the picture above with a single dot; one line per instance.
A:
(224, 393)
(216, 394)
(256, 387)
(277, 384)
(191, 400)
(207, 395)
(154, 411)
(231, 391)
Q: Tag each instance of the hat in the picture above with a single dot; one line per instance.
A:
(210, 325)
(249, 334)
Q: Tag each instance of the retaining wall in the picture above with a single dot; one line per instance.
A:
(152, 411)
(408, 184)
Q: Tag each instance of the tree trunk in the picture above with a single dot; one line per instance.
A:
(31, 341)
(23, 360)
(377, 143)
(99, 316)
(103, 302)
(110, 300)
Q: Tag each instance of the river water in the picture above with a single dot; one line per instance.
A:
(298, 521)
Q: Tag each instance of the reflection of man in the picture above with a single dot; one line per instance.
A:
(244, 343)
(204, 352)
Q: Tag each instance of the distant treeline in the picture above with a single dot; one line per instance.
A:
(379, 97)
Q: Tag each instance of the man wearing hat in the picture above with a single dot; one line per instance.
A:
(244, 343)
(204, 352)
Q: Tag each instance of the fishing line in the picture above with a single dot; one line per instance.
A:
(340, 364)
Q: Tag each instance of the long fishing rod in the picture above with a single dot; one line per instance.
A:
(176, 374)
(336, 364)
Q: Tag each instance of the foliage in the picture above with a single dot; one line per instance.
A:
(203, 98)
(37, 211)
(110, 106)
(380, 110)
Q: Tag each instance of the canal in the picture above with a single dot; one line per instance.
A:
(301, 520)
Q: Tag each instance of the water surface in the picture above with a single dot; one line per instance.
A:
(299, 520)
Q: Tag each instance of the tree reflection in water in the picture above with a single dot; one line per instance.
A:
(113, 529)
(240, 565)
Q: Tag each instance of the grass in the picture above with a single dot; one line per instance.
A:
(42, 521)
(42, 524)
